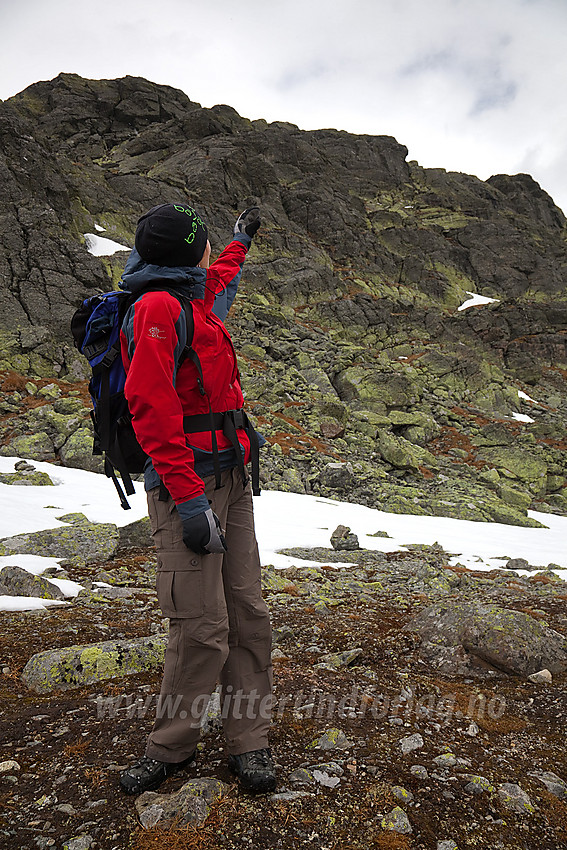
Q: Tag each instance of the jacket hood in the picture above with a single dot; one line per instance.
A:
(138, 275)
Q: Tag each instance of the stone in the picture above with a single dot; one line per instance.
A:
(554, 784)
(460, 636)
(337, 660)
(9, 766)
(26, 476)
(515, 799)
(330, 767)
(397, 821)
(542, 677)
(333, 739)
(16, 581)
(402, 794)
(80, 842)
(190, 805)
(301, 776)
(288, 796)
(419, 770)
(411, 743)
(477, 784)
(323, 778)
(81, 539)
(446, 760)
(343, 540)
(518, 564)
(36, 446)
(447, 844)
(80, 665)
(337, 476)
(331, 428)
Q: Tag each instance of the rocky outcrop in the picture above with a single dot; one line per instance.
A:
(352, 348)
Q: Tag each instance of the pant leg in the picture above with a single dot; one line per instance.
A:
(191, 593)
(246, 677)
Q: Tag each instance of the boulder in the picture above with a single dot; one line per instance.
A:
(515, 799)
(458, 636)
(343, 540)
(77, 666)
(77, 452)
(14, 581)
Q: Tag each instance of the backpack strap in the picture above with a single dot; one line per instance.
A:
(229, 422)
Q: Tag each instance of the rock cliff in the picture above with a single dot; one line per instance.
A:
(361, 370)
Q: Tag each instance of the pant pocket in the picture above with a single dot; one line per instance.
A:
(180, 592)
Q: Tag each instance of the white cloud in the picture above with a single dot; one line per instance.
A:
(468, 85)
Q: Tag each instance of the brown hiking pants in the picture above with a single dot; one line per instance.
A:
(219, 628)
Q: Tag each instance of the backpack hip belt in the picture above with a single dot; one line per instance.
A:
(229, 422)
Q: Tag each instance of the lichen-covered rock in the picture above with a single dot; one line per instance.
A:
(477, 784)
(456, 634)
(515, 799)
(33, 479)
(332, 739)
(18, 582)
(77, 452)
(77, 666)
(519, 463)
(136, 534)
(397, 821)
(190, 805)
(36, 446)
(81, 540)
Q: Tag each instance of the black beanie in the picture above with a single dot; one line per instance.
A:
(171, 235)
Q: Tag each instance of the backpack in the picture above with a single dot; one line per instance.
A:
(95, 327)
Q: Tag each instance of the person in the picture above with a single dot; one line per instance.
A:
(187, 415)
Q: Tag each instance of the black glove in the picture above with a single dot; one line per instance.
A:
(203, 534)
(248, 222)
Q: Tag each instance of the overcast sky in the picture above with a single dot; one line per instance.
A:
(467, 85)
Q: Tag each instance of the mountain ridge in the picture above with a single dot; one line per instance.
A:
(363, 373)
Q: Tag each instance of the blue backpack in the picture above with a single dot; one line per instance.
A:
(95, 327)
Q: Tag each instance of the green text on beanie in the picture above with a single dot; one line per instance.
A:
(171, 235)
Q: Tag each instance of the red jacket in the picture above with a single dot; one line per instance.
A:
(159, 394)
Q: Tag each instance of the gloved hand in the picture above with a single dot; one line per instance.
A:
(248, 222)
(202, 532)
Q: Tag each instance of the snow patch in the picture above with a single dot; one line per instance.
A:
(476, 301)
(100, 246)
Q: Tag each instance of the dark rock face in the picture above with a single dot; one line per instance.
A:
(349, 298)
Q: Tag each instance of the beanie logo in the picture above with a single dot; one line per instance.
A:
(194, 224)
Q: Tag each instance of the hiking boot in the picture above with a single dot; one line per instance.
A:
(255, 770)
(148, 774)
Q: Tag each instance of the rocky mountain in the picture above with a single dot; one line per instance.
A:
(363, 373)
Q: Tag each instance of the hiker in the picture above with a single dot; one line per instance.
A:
(188, 418)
